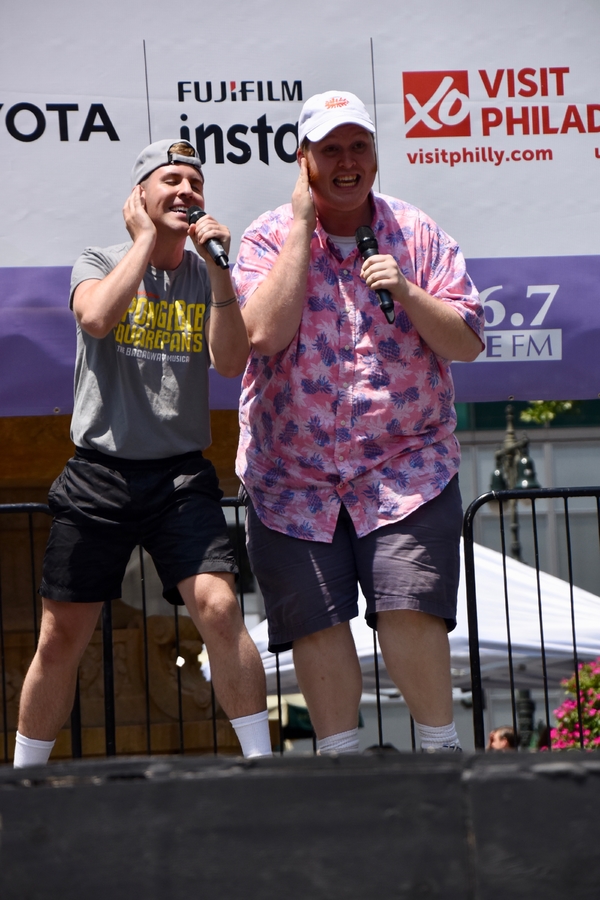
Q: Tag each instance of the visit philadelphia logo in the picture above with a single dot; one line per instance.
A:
(264, 137)
(510, 102)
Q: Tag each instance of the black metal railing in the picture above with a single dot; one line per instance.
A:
(32, 518)
(509, 522)
(24, 563)
(29, 520)
(29, 510)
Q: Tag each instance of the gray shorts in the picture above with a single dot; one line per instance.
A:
(311, 585)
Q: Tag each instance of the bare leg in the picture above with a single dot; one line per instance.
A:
(235, 664)
(329, 676)
(416, 651)
(49, 686)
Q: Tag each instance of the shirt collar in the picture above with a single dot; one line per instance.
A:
(380, 213)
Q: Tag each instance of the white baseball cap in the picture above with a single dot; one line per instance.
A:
(324, 112)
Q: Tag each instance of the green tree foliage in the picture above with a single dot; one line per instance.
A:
(543, 412)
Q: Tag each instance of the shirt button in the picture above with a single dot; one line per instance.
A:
(345, 384)
(341, 457)
(347, 347)
(343, 422)
(344, 271)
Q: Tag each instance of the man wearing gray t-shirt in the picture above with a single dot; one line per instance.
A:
(151, 317)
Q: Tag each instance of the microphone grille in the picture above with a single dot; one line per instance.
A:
(364, 232)
(194, 213)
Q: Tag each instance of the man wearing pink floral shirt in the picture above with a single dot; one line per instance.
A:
(347, 446)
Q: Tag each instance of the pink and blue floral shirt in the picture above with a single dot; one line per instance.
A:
(354, 410)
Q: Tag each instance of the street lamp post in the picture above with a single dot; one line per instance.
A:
(514, 469)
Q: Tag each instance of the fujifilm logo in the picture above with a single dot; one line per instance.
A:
(239, 142)
(220, 91)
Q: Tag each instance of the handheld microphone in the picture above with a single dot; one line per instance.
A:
(215, 248)
(367, 247)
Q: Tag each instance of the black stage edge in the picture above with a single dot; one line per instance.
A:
(457, 827)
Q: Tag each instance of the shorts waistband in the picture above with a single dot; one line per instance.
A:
(119, 462)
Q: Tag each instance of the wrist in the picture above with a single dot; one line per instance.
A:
(219, 304)
(405, 293)
(220, 281)
(144, 241)
(223, 291)
(303, 227)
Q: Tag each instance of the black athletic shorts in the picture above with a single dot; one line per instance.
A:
(104, 506)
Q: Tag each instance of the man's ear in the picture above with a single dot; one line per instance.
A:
(299, 155)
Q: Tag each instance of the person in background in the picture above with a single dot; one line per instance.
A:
(503, 738)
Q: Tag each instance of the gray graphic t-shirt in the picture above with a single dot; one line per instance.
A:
(141, 392)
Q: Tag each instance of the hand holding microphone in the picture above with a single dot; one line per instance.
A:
(367, 247)
(214, 247)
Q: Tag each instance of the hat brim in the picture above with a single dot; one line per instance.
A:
(321, 131)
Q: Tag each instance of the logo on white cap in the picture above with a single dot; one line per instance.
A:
(336, 102)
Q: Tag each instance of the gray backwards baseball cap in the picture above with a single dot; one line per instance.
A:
(159, 154)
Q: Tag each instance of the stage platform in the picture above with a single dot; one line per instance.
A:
(386, 825)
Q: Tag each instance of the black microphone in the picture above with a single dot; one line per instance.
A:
(215, 248)
(367, 247)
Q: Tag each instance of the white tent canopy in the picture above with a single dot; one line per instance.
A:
(524, 624)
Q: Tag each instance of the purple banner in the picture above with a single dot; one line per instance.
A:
(542, 336)
(37, 342)
(542, 330)
(37, 346)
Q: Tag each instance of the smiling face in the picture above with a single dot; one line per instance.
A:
(342, 169)
(169, 192)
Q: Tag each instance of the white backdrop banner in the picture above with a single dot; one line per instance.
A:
(488, 118)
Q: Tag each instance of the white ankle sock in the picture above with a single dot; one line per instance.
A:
(344, 742)
(253, 734)
(442, 738)
(29, 752)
